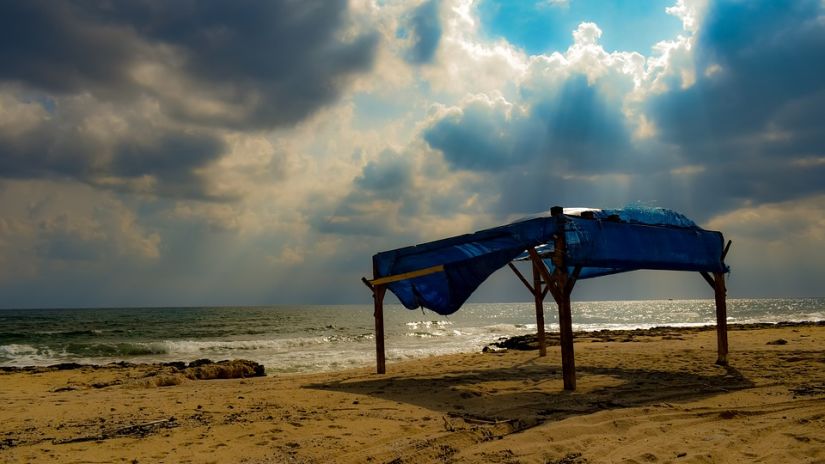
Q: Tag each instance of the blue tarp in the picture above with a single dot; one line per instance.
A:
(606, 242)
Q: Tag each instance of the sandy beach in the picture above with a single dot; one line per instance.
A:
(643, 396)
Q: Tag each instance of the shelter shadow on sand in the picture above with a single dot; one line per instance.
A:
(530, 393)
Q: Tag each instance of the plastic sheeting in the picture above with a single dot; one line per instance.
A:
(600, 241)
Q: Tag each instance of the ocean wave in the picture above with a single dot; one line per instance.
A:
(184, 347)
(423, 334)
(73, 333)
(116, 349)
(508, 328)
(348, 338)
(173, 348)
(428, 324)
(15, 349)
(28, 355)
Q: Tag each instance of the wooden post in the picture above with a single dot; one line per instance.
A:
(539, 299)
(568, 363)
(378, 297)
(380, 290)
(717, 283)
(720, 293)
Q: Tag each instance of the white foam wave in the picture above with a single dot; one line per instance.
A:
(428, 324)
(26, 355)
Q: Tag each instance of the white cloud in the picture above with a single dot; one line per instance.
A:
(785, 222)
(556, 3)
(778, 248)
(690, 12)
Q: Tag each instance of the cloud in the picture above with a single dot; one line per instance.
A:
(424, 25)
(100, 145)
(259, 65)
(750, 114)
(556, 3)
(148, 96)
(719, 117)
(479, 135)
(50, 46)
(574, 127)
(402, 197)
(388, 175)
(55, 225)
(567, 132)
(227, 153)
(778, 248)
(376, 196)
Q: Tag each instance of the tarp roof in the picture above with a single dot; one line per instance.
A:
(600, 241)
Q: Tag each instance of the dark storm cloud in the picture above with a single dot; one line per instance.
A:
(385, 199)
(255, 65)
(575, 130)
(282, 57)
(57, 47)
(758, 109)
(139, 157)
(425, 27)
(385, 179)
(388, 176)
(57, 149)
(571, 146)
(480, 138)
(282, 60)
(583, 128)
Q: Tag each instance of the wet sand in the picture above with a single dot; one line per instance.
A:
(643, 396)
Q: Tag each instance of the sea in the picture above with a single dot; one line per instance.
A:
(290, 339)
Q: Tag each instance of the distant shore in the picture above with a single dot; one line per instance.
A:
(650, 395)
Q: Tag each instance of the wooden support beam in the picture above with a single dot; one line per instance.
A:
(522, 279)
(720, 294)
(725, 252)
(539, 299)
(556, 284)
(368, 284)
(545, 274)
(545, 292)
(708, 279)
(571, 282)
(406, 275)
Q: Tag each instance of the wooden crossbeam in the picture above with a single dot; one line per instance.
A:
(521, 278)
(406, 275)
(708, 279)
(368, 284)
(545, 274)
(727, 247)
(571, 281)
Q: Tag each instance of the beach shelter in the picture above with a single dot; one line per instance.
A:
(563, 246)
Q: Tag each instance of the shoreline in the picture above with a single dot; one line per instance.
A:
(657, 398)
(526, 342)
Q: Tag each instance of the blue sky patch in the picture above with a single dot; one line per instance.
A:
(544, 27)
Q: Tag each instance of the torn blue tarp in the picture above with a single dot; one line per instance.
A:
(600, 241)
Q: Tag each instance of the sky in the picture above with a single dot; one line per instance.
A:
(191, 153)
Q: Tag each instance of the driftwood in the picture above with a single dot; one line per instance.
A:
(473, 419)
(140, 430)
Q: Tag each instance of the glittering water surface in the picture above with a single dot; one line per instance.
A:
(317, 338)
